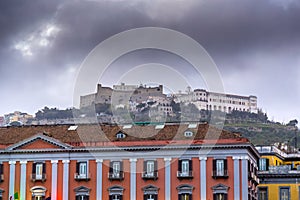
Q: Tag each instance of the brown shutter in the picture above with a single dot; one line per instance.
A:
(33, 168)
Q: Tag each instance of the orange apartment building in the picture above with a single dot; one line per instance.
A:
(128, 162)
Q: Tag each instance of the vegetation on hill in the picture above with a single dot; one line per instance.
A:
(256, 127)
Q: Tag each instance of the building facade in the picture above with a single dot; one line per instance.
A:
(206, 100)
(279, 174)
(129, 162)
(121, 95)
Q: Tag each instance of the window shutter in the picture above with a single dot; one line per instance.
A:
(77, 167)
(155, 166)
(121, 197)
(267, 164)
(145, 196)
(215, 197)
(77, 197)
(110, 167)
(87, 197)
(191, 165)
(225, 196)
(110, 197)
(33, 168)
(145, 165)
(214, 165)
(1, 168)
(179, 196)
(190, 196)
(179, 165)
(225, 164)
(155, 197)
(44, 168)
(121, 166)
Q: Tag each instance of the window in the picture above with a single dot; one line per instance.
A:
(264, 164)
(150, 169)
(120, 135)
(115, 193)
(185, 169)
(185, 192)
(116, 170)
(150, 192)
(220, 168)
(188, 133)
(1, 193)
(81, 171)
(82, 193)
(1, 175)
(38, 192)
(262, 193)
(220, 192)
(220, 196)
(284, 193)
(38, 172)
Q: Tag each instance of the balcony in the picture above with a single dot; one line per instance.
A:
(38, 177)
(1, 177)
(218, 174)
(82, 177)
(150, 175)
(181, 174)
(115, 176)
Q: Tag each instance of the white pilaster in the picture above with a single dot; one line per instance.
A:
(23, 179)
(244, 177)
(236, 179)
(66, 179)
(167, 178)
(54, 179)
(99, 179)
(203, 177)
(133, 178)
(12, 167)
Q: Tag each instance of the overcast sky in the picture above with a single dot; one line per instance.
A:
(255, 45)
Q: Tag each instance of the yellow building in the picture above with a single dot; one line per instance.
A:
(279, 174)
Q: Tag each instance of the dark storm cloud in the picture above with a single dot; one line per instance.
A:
(251, 41)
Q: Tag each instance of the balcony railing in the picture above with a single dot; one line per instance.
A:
(218, 174)
(38, 177)
(82, 177)
(116, 176)
(181, 174)
(150, 175)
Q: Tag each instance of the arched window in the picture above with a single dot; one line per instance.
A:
(220, 192)
(82, 193)
(185, 192)
(116, 192)
(150, 192)
(38, 192)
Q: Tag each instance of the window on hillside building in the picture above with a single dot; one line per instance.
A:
(284, 193)
(262, 193)
(82, 197)
(264, 164)
(38, 192)
(220, 168)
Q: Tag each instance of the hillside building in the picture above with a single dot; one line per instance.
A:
(206, 100)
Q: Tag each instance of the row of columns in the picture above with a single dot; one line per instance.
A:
(236, 168)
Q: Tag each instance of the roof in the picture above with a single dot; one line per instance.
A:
(98, 134)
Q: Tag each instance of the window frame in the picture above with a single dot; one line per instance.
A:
(284, 188)
(259, 190)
